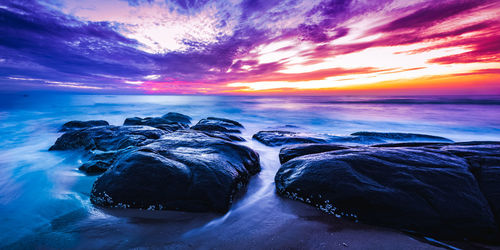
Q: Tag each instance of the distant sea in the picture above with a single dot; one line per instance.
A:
(44, 199)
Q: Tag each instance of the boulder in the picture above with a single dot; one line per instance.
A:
(75, 125)
(185, 170)
(177, 117)
(280, 138)
(212, 124)
(156, 122)
(224, 136)
(401, 137)
(106, 138)
(484, 161)
(428, 189)
(292, 151)
(355, 140)
(99, 162)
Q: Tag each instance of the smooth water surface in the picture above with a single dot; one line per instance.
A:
(44, 199)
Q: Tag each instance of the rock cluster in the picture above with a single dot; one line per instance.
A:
(413, 182)
(446, 189)
(159, 163)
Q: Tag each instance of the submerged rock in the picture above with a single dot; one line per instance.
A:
(279, 138)
(177, 117)
(99, 162)
(212, 124)
(224, 136)
(429, 189)
(156, 122)
(353, 140)
(289, 152)
(185, 170)
(74, 125)
(399, 137)
(106, 138)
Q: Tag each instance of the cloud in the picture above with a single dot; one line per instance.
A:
(202, 46)
(427, 16)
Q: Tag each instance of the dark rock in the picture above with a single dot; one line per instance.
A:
(292, 151)
(94, 167)
(365, 140)
(488, 177)
(177, 117)
(99, 162)
(171, 127)
(74, 125)
(157, 122)
(280, 138)
(402, 137)
(106, 138)
(224, 136)
(223, 122)
(484, 161)
(412, 144)
(218, 124)
(423, 189)
(185, 170)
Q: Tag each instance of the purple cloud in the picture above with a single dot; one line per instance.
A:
(42, 40)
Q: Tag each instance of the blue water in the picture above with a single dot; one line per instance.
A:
(44, 199)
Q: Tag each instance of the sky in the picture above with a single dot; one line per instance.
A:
(251, 46)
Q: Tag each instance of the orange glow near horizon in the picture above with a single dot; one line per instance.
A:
(229, 47)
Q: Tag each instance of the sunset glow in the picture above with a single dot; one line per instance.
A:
(245, 47)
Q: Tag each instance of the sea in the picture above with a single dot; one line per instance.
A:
(44, 198)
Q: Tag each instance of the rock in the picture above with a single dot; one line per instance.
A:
(74, 125)
(185, 170)
(156, 122)
(484, 161)
(488, 177)
(211, 124)
(412, 144)
(280, 138)
(398, 137)
(107, 138)
(364, 140)
(292, 151)
(177, 117)
(423, 189)
(99, 162)
(224, 136)
(223, 122)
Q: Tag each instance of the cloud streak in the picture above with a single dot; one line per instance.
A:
(189, 46)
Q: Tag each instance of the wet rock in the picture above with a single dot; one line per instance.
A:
(185, 170)
(107, 138)
(292, 151)
(279, 138)
(74, 125)
(363, 140)
(177, 117)
(428, 189)
(156, 122)
(484, 161)
(224, 136)
(211, 124)
(399, 137)
(99, 162)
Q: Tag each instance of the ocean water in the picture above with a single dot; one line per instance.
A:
(44, 199)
